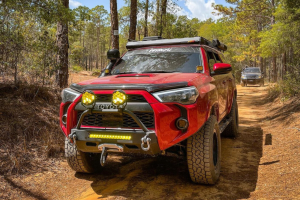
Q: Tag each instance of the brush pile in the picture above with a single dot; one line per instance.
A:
(30, 132)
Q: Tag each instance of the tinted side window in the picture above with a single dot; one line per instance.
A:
(211, 60)
(222, 57)
(218, 59)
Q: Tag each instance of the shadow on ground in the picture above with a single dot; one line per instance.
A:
(168, 177)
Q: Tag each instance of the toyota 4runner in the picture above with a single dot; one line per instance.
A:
(163, 96)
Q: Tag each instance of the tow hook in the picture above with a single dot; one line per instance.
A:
(147, 140)
(72, 138)
(103, 157)
(105, 148)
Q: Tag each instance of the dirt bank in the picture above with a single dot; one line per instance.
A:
(250, 169)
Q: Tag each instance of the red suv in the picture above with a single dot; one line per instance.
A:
(163, 96)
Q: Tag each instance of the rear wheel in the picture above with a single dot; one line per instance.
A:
(80, 161)
(233, 127)
(204, 153)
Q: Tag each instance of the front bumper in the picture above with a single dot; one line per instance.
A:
(86, 144)
(252, 81)
(84, 141)
(165, 115)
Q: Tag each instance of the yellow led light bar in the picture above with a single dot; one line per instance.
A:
(116, 137)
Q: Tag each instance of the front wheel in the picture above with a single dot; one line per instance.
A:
(80, 161)
(204, 153)
(242, 84)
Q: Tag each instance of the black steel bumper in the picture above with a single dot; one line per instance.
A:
(87, 144)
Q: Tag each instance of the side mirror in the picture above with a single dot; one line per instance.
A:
(222, 68)
(113, 54)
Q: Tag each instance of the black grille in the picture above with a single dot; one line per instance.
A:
(117, 120)
(131, 98)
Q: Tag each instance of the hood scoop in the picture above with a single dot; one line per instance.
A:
(133, 75)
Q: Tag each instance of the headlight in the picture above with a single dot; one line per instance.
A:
(259, 76)
(186, 95)
(243, 76)
(69, 95)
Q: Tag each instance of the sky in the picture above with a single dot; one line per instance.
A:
(200, 9)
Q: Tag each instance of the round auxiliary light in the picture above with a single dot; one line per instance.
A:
(88, 98)
(119, 98)
(182, 123)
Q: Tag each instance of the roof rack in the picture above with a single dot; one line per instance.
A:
(159, 41)
(152, 38)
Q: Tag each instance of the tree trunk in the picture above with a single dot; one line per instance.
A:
(163, 16)
(284, 68)
(146, 19)
(97, 50)
(157, 17)
(62, 55)
(274, 68)
(132, 28)
(114, 24)
(261, 64)
(274, 56)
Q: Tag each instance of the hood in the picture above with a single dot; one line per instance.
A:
(149, 82)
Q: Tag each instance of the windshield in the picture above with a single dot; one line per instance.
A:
(159, 60)
(252, 70)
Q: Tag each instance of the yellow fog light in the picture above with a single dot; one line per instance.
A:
(88, 98)
(116, 137)
(119, 98)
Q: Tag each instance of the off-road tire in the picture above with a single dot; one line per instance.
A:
(242, 84)
(203, 166)
(232, 128)
(80, 161)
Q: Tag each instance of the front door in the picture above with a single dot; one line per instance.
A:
(221, 82)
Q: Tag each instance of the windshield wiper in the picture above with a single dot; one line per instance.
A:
(159, 71)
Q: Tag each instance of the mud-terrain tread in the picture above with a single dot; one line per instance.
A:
(232, 128)
(199, 159)
(80, 161)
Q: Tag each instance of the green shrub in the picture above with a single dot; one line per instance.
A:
(286, 88)
(76, 68)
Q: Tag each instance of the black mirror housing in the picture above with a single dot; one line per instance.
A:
(113, 54)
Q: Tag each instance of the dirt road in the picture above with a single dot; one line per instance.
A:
(250, 169)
